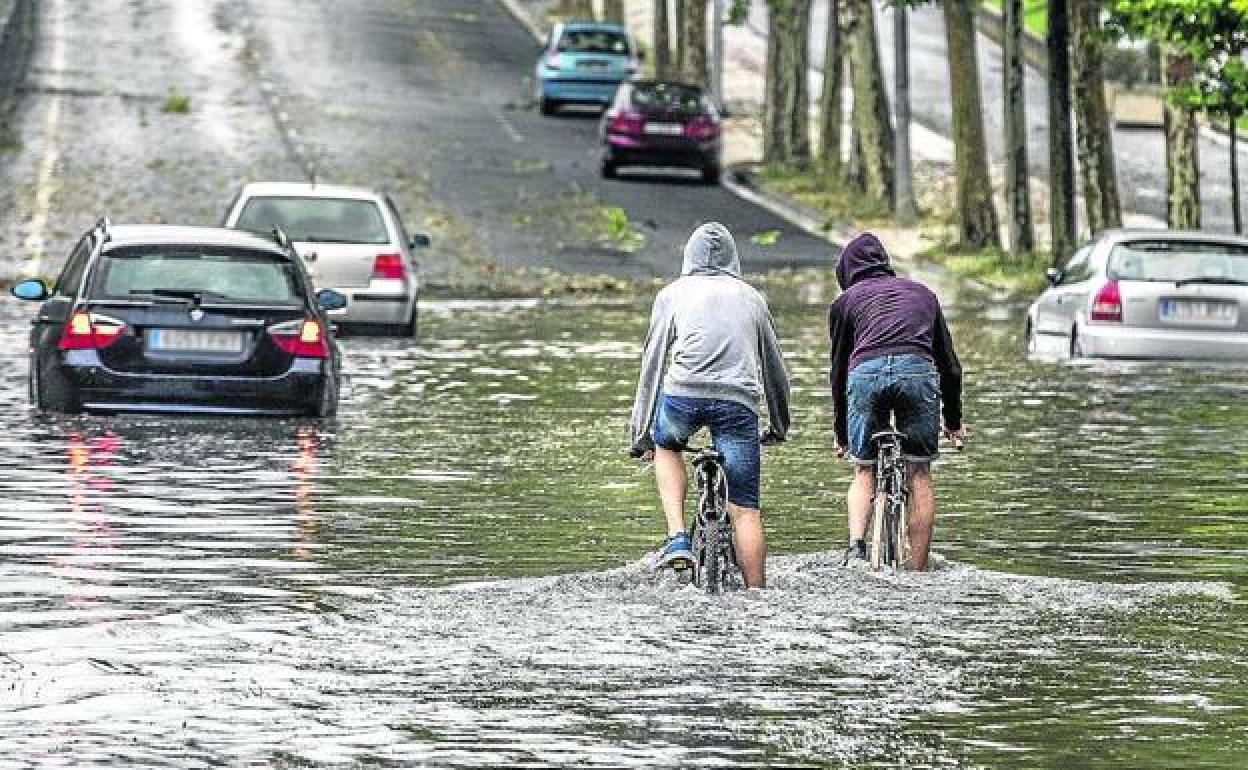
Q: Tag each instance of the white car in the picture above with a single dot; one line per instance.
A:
(1156, 294)
(351, 239)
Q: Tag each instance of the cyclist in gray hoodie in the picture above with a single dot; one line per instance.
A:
(717, 333)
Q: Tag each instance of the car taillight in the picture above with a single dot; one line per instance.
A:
(304, 338)
(1107, 304)
(625, 122)
(702, 127)
(553, 61)
(388, 266)
(85, 331)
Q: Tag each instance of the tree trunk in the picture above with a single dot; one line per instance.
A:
(678, 45)
(1093, 131)
(1017, 194)
(1061, 167)
(903, 181)
(693, 36)
(873, 129)
(786, 109)
(1236, 216)
(832, 112)
(575, 10)
(662, 40)
(1182, 154)
(977, 217)
(613, 10)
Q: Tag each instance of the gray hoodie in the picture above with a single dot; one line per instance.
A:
(720, 337)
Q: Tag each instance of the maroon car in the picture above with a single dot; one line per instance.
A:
(661, 123)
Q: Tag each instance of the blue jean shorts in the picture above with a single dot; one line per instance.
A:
(901, 391)
(734, 433)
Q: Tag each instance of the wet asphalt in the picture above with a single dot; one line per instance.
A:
(431, 100)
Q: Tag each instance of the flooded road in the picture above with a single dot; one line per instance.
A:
(451, 574)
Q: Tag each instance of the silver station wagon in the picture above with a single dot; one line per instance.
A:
(351, 239)
(1154, 294)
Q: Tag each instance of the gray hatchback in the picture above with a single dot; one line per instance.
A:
(1163, 294)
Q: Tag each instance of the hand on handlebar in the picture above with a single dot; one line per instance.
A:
(769, 438)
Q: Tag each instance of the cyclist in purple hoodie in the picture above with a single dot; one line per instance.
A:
(892, 358)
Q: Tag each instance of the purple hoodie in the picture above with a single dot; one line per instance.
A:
(880, 314)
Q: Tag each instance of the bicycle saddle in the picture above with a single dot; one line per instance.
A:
(892, 435)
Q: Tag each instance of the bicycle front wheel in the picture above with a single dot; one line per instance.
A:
(879, 535)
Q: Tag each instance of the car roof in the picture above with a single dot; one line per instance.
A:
(307, 190)
(592, 25)
(1122, 234)
(120, 236)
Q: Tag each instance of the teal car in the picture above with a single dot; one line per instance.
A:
(583, 63)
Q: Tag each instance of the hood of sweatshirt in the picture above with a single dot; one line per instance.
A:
(863, 257)
(711, 250)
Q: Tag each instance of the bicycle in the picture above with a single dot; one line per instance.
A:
(715, 566)
(890, 544)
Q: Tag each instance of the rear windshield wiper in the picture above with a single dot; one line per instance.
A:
(176, 295)
(1224, 281)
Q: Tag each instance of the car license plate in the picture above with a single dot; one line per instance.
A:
(195, 341)
(665, 129)
(1199, 311)
(591, 64)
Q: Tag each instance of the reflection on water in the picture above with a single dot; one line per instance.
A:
(450, 574)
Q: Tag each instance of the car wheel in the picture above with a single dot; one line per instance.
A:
(328, 405)
(1076, 344)
(410, 328)
(711, 174)
(1030, 336)
(608, 169)
(547, 106)
(51, 390)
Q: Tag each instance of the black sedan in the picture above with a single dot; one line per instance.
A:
(183, 319)
(661, 123)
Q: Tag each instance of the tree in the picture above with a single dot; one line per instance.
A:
(786, 105)
(903, 191)
(832, 112)
(1061, 168)
(1182, 149)
(873, 149)
(1094, 134)
(692, 64)
(1017, 195)
(977, 216)
(613, 10)
(662, 40)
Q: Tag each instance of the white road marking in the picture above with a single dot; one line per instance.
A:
(46, 184)
(511, 130)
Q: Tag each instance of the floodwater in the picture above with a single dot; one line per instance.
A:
(452, 573)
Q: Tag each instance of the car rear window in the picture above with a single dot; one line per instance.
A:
(236, 275)
(320, 220)
(667, 96)
(607, 41)
(1178, 261)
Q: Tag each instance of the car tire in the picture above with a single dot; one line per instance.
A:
(1076, 344)
(711, 174)
(50, 389)
(327, 406)
(1029, 339)
(609, 169)
(547, 106)
(411, 328)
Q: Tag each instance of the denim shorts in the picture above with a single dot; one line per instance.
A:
(734, 432)
(901, 391)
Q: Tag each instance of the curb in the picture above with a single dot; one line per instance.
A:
(738, 180)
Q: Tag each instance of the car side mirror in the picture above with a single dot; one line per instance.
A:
(420, 241)
(32, 289)
(1053, 276)
(329, 299)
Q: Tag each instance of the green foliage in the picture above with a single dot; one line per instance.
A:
(177, 103)
(1209, 37)
(766, 237)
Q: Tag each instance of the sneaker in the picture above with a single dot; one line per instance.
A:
(855, 554)
(677, 551)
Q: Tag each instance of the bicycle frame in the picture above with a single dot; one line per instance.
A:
(890, 544)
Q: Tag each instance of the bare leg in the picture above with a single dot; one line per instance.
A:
(861, 490)
(747, 524)
(920, 515)
(669, 473)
